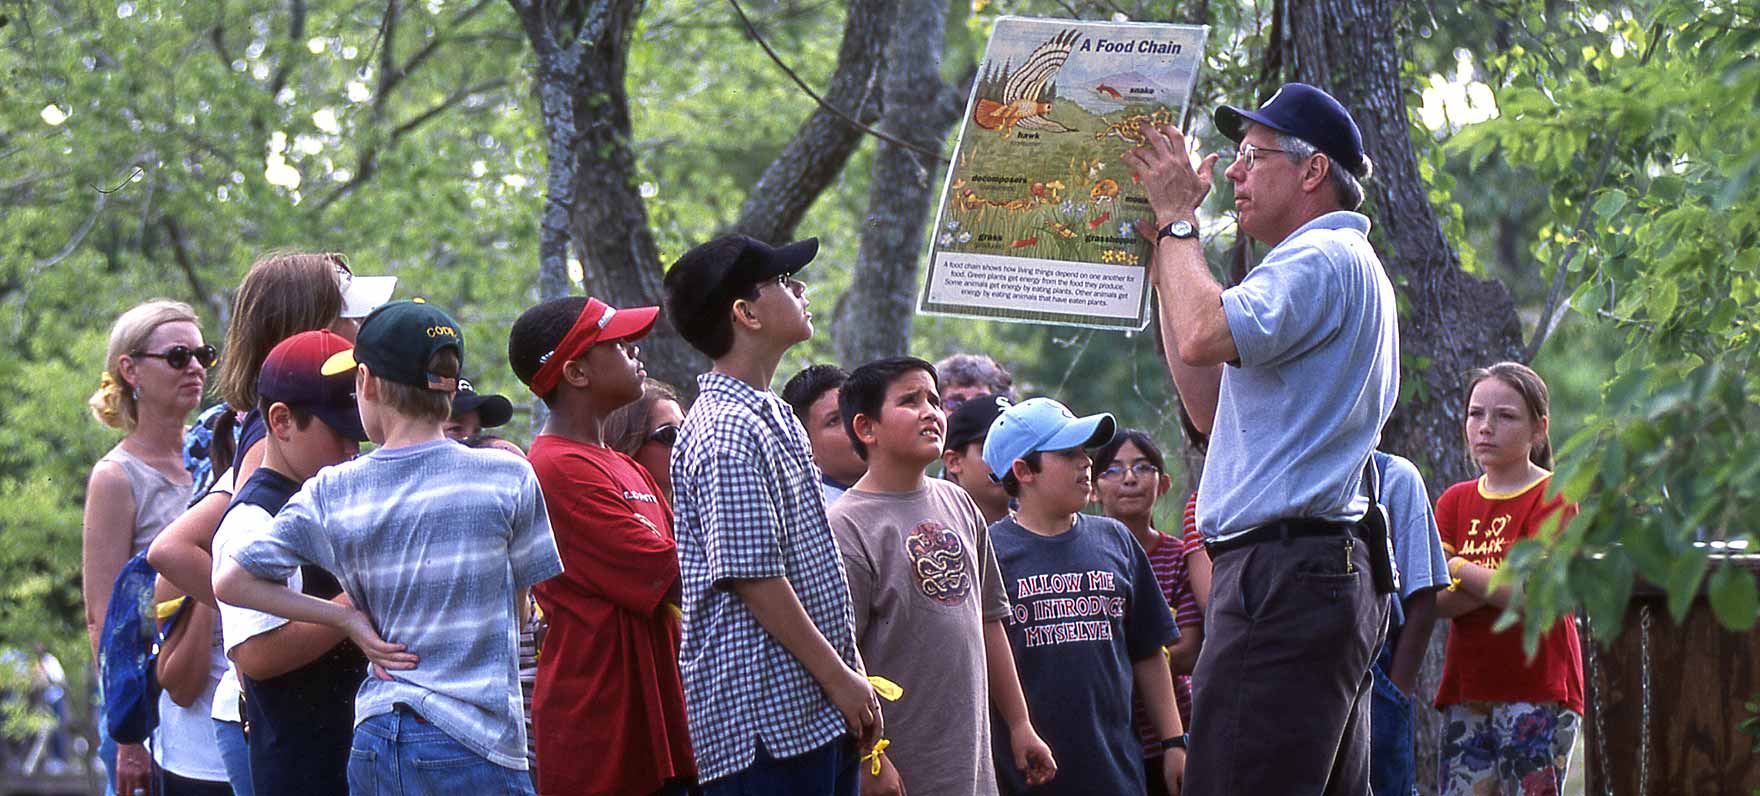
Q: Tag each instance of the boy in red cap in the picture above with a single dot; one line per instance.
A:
(608, 671)
(298, 678)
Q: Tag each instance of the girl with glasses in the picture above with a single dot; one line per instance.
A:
(646, 430)
(1130, 476)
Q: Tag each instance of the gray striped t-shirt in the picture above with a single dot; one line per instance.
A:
(432, 541)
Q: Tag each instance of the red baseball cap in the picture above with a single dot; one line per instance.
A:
(293, 374)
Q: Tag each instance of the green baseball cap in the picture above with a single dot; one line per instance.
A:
(397, 340)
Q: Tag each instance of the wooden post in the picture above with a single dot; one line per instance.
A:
(1665, 701)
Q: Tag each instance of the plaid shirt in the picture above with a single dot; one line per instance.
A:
(748, 507)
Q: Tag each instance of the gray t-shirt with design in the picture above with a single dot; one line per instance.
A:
(923, 580)
(433, 541)
(1318, 374)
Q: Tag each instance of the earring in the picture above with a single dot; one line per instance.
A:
(135, 392)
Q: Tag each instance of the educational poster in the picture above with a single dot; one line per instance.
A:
(1035, 221)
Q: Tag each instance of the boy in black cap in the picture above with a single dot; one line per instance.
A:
(472, 412)
(298, 678)
(773, 686)
(435, 543)
(1311, 341)
(963, 459)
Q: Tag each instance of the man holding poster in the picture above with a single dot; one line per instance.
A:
(1293, 372)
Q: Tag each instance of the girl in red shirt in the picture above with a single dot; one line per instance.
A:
(1508, 721)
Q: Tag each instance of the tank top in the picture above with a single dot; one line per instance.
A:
(157, 499)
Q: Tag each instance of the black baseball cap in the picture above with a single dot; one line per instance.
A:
(706, 280)
(1307, 113)
(294, 374)
(396, 341)
(494, 410)
(970, 422)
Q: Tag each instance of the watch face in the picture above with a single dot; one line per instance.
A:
(1181, 229)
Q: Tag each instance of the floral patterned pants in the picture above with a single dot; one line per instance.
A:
(1506, 748)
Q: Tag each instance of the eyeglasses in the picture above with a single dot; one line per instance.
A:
(178, 356)
(665, 435)
(1250, 153)
(1115, 471)
(788, 282)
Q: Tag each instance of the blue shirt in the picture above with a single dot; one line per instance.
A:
(747, 506)
(1317, 377)
(432, 541)
(1417, 545)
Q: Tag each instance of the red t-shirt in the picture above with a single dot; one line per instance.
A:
(1486, 666)
(608, 708)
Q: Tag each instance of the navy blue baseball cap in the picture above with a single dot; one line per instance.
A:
(1307, 113)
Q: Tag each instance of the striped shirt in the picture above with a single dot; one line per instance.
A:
(748, 507)
(433, 541)
(1168, 560)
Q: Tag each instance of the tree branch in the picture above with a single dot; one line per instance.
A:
(296, 30)
(79, 235)
(185, 261)
(851, 120)
(1544, 328)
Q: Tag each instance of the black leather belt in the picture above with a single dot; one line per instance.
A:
(1283, 530)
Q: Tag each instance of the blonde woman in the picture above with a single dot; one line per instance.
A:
(154, 371)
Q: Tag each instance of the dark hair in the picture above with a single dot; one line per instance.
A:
(422, 403)
(1108, 453)
(538, 331)
(1011, 484)
(301, 417)
(807, 386)
(1534, 394)
(864, 393)
(626, 428)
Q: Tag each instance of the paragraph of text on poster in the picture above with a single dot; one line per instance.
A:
(1016, 285)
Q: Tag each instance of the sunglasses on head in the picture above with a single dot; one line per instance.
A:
(664, 435)
(178, 356)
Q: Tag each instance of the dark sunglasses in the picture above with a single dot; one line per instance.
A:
(178, 356)
(664, 435)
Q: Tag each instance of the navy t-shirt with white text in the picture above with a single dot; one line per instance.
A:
(1085, 607)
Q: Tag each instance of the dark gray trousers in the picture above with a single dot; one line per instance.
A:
(1282, 686)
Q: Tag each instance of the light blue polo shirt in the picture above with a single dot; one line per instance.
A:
(1318, 374)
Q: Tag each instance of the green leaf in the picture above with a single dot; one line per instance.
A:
(1684, 577)
(1734, 597)
(1610, 204)
(1662, 301)
(1590, 296)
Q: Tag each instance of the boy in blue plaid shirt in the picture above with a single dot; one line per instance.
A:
(774, 690)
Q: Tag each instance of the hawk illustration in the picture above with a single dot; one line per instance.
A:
(1021, 106)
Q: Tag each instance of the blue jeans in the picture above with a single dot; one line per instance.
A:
(229, 737)
(1393, 771)
(399, 754)
(829, 770)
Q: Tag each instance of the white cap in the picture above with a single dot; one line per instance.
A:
(362, 293)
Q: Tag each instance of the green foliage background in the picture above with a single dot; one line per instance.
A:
(1625, 136)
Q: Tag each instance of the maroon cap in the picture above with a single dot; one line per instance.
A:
(293, 374)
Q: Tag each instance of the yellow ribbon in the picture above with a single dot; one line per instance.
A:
(888, 690)
(165, 610)
(873, 757)
(677, 612)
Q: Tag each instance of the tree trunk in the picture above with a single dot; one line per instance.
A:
(620, 262)
(1450, 321)
(824, 143)
(873, 317)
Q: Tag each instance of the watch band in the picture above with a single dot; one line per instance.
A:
(1176, 742)
(1180, 230)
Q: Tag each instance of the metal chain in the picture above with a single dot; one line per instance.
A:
(1644, 692)
(1593, 659)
